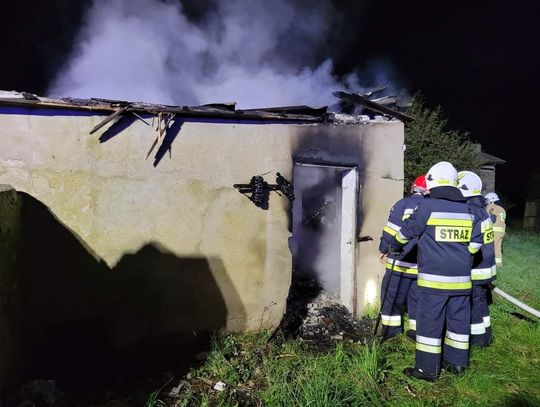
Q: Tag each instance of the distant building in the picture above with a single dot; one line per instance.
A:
(487, 170)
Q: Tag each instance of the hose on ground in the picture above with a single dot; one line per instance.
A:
(516, 302)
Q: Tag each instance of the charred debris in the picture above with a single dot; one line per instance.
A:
(367, 106)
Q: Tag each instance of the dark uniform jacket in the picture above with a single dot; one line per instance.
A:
(406, 265)
(483, 267)
(448, 233)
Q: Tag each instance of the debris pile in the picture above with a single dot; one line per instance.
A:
(327, 319)
(317, 317)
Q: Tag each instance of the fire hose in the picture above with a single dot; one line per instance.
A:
(515, 301)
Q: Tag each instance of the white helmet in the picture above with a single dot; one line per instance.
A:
(469, 183)
(442, 174)
(492, 197)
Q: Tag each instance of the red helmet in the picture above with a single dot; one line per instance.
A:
(419, 186)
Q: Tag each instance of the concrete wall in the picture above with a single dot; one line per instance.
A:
(174, 247)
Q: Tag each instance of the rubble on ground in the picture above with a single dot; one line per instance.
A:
(317, 317)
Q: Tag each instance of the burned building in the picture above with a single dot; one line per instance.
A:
(152, 220)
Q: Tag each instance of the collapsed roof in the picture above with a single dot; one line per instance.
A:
(303, 113)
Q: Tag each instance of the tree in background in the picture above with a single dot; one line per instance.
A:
(428, 141)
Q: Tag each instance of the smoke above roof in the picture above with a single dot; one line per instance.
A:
(256, 53)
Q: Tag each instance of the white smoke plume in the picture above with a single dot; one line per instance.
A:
(257, 53)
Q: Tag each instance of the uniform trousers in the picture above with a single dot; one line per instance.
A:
(443, 327)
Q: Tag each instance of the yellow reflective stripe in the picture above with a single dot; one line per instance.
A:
(447, 182)
(449, 222)
(401, 269)
(391, 320)
(473, 250)
(481, 274)
(428, 348)
(390, 231)
(499, 229)
(486, 225)
(476, 191)
(456, 344)
(406, 216)
(443, 285)
(401, 239)
(498, 260)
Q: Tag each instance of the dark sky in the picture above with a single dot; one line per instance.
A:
(479, 60)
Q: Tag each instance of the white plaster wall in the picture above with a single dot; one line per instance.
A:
(116, 202)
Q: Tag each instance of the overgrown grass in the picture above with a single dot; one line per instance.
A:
(272, 373)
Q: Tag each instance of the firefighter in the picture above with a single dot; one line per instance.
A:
(498, 216)
(399, 282)
(483, 267)
(447, 235)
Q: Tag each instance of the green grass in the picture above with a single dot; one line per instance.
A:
(287, 373)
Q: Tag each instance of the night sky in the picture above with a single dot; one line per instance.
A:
(479, 60)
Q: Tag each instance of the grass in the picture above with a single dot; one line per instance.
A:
(259, 371)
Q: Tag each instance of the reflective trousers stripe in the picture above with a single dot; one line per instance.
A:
(444, 286)
(457, 337)
(412, 324)
(456, 344)
(478, 329)
(487, 322)
(428, 348)
(391, 320)
(444, 282)
(426, 340)
(499, 229)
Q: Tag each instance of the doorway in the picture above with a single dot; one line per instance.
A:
(323, 241)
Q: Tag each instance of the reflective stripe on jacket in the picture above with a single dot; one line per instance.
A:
(402, 210)
(483, 267)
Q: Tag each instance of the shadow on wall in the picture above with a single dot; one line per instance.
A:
(86, 325)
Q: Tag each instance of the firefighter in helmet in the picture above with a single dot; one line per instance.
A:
(399, 282)
(498, 216)
(447, 234)
(483, 267)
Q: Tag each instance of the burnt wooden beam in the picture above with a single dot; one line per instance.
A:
(180, 111)
(356, 99)
(109, 118)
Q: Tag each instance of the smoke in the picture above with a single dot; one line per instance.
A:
(257, 53)
(316, 239)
